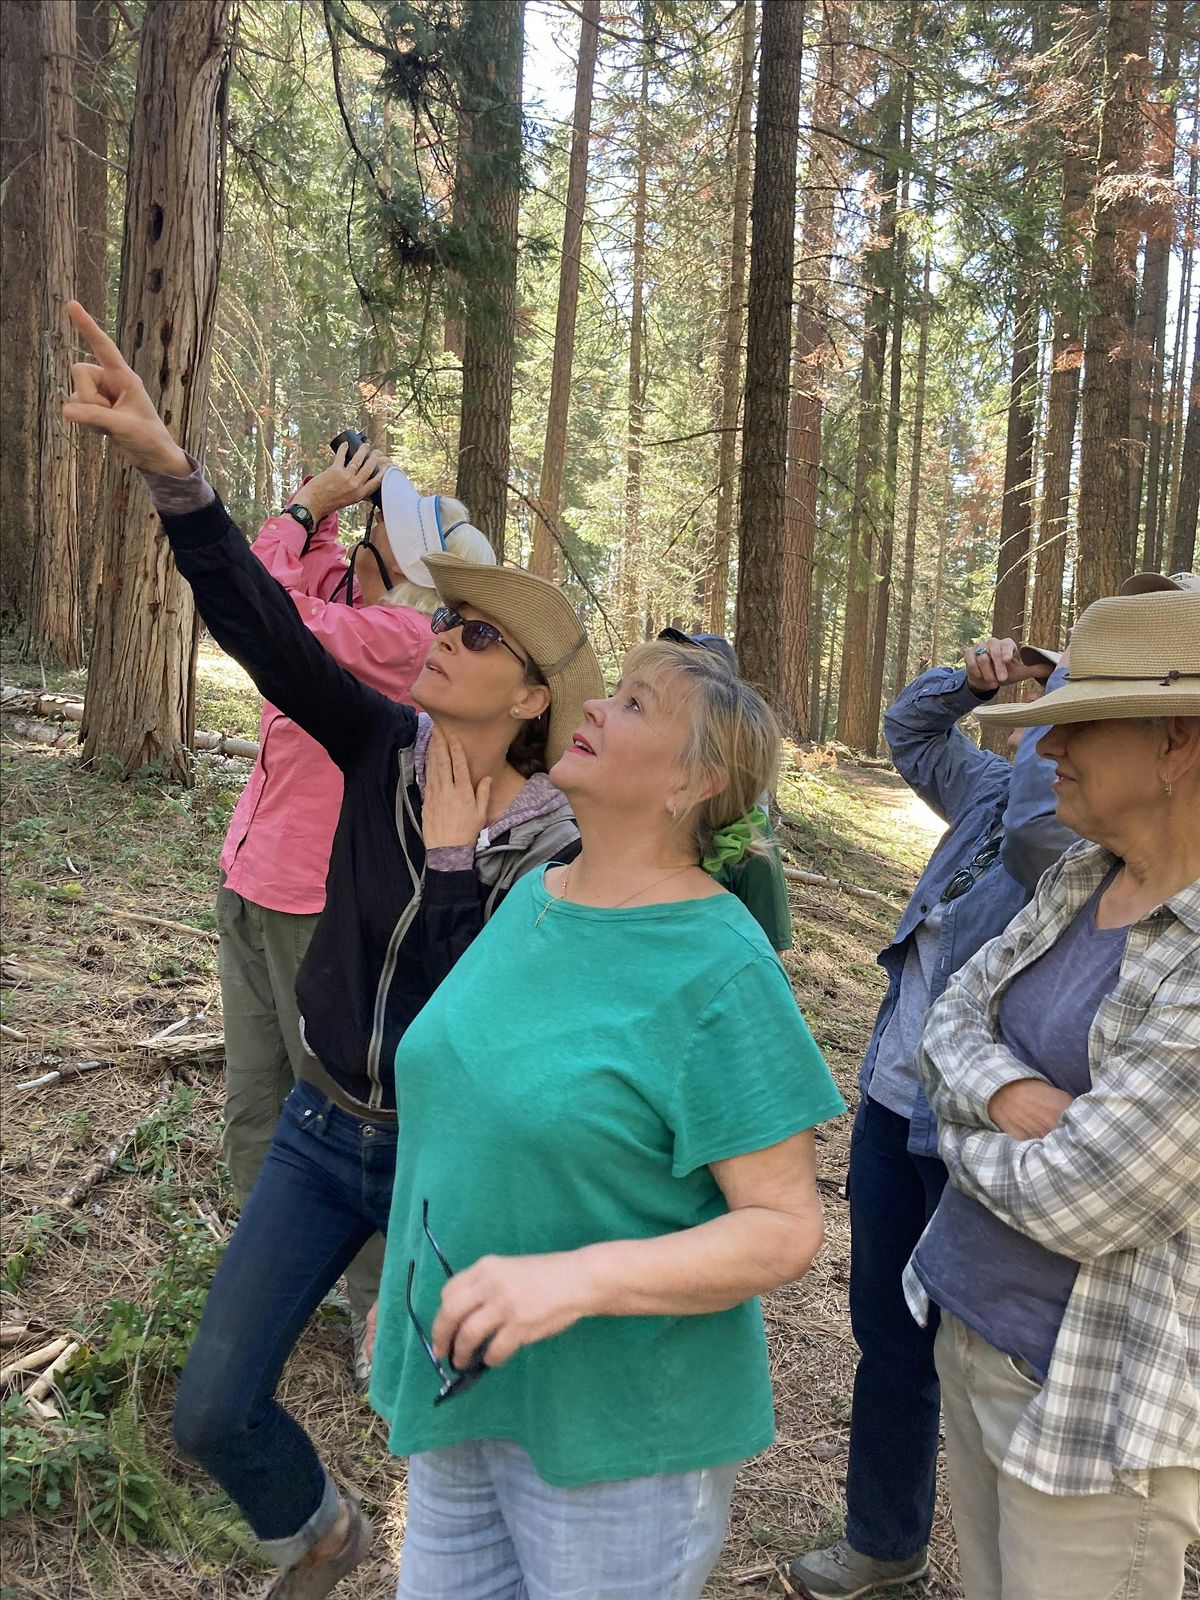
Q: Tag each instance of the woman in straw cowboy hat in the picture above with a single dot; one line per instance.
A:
(1063, 1063)
(620, 1159)
(441, 815)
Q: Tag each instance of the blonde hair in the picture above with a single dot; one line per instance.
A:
(733, 737)
(463, 540)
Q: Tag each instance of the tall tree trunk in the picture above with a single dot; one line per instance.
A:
(816, 634)
(904, 621)
(93, 27)
(1012, 563)
(854, 690)
(631, 606)
(766, 602)
(1106, 549)
(21, 73)
(1062, 409)
(490, 52)
(1187, 500)
(55, 620)
(545, 557)
(809, 361)
(1147, 373)
(731, 352)
(140, 697)
(939, 575)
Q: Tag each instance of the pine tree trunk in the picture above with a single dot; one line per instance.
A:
(631, 597)
(21, 73)
(1106, 548)
(809, 364)
(545, 558)
(1012, 564)
(490, 50)
(55, 629)
(904, 621)
(139, 706)
(1147, 374)
(93, 25)
(766, 602)
(1187, 500)
(731, 352)
(939, 575)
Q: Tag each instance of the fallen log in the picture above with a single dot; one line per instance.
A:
(41, 1387)
(62, 708)
(34, 1361)
(816, 881)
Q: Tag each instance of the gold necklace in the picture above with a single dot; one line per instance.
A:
(553, 900)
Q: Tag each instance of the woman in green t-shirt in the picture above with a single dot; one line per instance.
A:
(605, 1123)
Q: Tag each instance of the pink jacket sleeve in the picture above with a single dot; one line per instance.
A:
(384, 646)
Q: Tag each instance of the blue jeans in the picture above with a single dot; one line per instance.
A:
(324, 1189)
(482, 1525)
(891, 1481)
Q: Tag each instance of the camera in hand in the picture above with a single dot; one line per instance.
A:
(354, 441)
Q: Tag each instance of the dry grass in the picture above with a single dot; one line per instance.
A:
(95, 987)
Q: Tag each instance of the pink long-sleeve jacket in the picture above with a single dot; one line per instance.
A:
(276, 852)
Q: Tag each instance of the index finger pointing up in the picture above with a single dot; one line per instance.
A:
(93, 334)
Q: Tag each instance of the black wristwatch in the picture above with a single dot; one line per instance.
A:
(302, 515)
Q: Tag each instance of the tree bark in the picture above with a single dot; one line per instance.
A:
(731, 351)
(21, 72)
(1187, 500)
(631, 599)
(1012, 562)
(140, 697)
(55, 628)
(545, 558)
(1150, 333)
(809, 360)
(93, 27)
(490, 50)
(1106, 547)
(766, 601)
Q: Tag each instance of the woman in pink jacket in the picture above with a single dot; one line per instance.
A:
(276, 852)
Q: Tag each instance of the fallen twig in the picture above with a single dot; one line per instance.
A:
(41, 1387)
(159, 922)
(34, 1361)
(12, 1332)
(14, 1034)
(171, 1027)
(794, 875)
(70, 1069)
(88, 1179)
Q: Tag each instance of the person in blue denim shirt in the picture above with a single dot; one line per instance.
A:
(1001, 833)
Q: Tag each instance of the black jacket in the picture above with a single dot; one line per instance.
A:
(390, 932)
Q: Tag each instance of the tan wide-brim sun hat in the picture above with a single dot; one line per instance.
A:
(1131, 656)
(539, 620)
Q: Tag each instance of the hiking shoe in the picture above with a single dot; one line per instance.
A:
(313, 1580)
(362, 1361)
(840, 1572)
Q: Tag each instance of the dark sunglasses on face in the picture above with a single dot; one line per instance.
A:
(965, 877)
(475, 635)
(455, 1380)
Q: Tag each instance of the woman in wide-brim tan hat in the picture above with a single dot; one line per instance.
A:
(441, 814)
(1063, 1063)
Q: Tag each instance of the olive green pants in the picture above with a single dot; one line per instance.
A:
(260, 954)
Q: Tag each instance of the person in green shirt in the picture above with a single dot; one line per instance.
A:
(756, 876)
(606, 1116)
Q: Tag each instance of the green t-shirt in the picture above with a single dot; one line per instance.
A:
(568, 1083)
(760, 885)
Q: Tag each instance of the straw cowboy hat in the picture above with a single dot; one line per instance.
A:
(1131, 656)
(538, 617)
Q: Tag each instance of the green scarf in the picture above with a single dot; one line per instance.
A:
(731, 842)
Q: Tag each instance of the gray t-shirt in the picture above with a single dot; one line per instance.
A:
(1010, 1289)
(894, 1074)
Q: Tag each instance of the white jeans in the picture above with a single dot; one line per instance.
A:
(1015, 1543)
(482, 1525)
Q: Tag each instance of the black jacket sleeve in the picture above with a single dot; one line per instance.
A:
(452, 918)
(254, 619)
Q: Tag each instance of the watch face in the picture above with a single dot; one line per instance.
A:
(302, 515)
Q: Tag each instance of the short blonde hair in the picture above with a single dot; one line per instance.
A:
(463, 540)
(733, 739)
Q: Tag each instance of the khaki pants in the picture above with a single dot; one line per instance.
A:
(260, 954)
(1015, 1543)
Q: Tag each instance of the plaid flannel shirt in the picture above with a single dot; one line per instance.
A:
(1116, 1186)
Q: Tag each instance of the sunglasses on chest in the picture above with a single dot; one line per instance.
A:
(475, 635)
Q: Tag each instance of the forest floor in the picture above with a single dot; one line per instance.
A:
(97, 1504)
